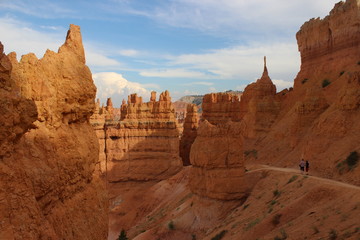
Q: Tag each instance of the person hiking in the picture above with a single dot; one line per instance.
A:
(307, 165)
(302, 165)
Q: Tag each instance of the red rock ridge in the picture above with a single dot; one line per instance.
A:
(51, 173)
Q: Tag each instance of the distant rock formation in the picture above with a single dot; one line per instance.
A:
(48, 166)
(189, 134)
(217, 162)
(144, 144)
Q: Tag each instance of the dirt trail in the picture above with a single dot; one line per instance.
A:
(297, 172)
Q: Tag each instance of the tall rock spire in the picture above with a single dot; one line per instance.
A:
(265, 73)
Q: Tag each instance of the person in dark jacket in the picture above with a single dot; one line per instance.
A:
(307, 165)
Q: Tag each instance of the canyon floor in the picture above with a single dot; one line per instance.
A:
(282, 204)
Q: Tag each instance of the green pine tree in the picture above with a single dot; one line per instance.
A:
(122, 235)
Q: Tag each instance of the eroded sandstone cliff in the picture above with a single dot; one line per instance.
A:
(144, 144)
(50, 188)
(318, 119)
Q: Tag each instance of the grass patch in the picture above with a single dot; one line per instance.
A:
(304, 80)
(325, 83)
(283, 235)
(315, 229)
(293, 178)
(252, 224)
(251, 153)
(220, 235)
(276, 193)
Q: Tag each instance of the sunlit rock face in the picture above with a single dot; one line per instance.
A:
(217, 162)
(50, 188)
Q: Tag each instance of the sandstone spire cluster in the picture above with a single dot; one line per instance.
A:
(143, 144)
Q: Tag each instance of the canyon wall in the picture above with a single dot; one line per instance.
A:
(318, 119)
(50, 185)
(144, 144)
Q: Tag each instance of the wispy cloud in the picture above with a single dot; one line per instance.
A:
(232, 17)
(173, 73)
(129, 52)
(242, 62)
(198, 83)
(42, 8)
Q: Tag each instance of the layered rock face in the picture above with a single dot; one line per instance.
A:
(329, 46)
(317, 120)
(144, 144)
(50, 187)
(217, 161)
(189, 134)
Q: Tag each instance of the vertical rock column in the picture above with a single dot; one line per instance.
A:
(189, 134)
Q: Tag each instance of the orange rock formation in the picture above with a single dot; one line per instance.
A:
(144, 144)
(189, 134)
(217, 162)
(48, 163)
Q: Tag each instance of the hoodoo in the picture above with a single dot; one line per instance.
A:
(48, 166)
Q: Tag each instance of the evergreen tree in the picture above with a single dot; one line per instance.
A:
(122, 235)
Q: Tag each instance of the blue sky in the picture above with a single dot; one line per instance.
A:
(184, 46)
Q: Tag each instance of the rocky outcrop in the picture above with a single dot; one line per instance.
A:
(217, 162)
(144, 144)
(189, 134)
(48, 166)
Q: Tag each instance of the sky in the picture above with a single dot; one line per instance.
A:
(189, 47)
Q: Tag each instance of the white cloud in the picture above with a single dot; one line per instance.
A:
(114, 85)
(129, 52)
(198, 83)
(212, 89)
(243, 62)
(281, 84)
(236, 16)
(42, 8)
(173, 73)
